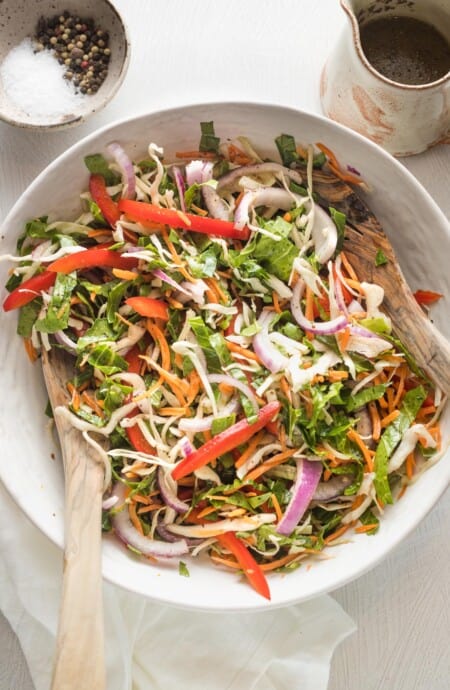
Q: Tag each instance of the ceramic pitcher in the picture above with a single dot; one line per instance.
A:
(402, 118)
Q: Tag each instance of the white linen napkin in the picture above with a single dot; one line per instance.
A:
(155, 647)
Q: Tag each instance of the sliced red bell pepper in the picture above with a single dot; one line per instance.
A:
(99, 194)
(137, 438)
(93, 257)
(142, 211)
(250, 567)
(225, 441)
(29, 290)
(147, 306)
(426, 297)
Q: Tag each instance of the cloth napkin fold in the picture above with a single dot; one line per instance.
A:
(156, 647)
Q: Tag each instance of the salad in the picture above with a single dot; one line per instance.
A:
(241, 384)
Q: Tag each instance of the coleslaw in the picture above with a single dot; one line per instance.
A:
(256, 403)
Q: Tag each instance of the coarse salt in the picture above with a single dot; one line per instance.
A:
(34, 81)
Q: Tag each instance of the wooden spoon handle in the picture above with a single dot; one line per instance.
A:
(79, 661)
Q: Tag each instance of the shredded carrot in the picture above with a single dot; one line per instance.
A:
(375, 421)
(358, 501)
(276, 302)
(159, 337)
(242, 351)
(251, 448)
(199, 211)
(139, 498)
(225, 389)
(92, 403)
(175, 411)
(176, 259)
(365, 528)
(284, 385)
(214, 285)
(178, 360)
(154, 387)
(236, 155)
(206, 511)
(410, 465)
(134, 518)
(177, 385)
(338, 533)
(349, 268)
(30, 349)
(425, 412)
(149, 509)
(392, 416)
(402, 371)
(337, 375)
(343, 338)
(290, 558)
(175, 304)
(334, 166)
(353, 436)
(130, 236)
(435, 431)
(139, 465)
(277, 507)
(123, 274)
(75, 396)
(227, 562)
(208, 155)
(402, 491)
(99, 232)
(309, 304)
(194, 387)
(268, 464)
(302, 152)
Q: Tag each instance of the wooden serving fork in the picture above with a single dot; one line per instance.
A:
(79, 659)
(364, 237)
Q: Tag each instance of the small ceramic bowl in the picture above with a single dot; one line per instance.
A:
(18, 21)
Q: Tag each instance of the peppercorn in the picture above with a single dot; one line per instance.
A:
(79, 45)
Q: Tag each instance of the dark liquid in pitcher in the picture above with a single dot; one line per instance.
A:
(405, 50)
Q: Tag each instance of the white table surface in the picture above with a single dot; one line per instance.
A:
(271, 51)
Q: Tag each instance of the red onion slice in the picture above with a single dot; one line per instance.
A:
(129, 535)
(158, 273)
(198, 172)
(179, 181)
(308, 475)
(63, 339)
(126, 168)
(320, 327)
(168, 490)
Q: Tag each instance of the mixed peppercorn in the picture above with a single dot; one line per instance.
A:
(78, 44)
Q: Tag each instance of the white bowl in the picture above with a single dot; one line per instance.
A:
(31, 468)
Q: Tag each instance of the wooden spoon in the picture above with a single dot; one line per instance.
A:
(79, 659)
(364, 237)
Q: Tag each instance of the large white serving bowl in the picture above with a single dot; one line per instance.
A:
(30, 465)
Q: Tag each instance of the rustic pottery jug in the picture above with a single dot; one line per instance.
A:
(403, 118)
